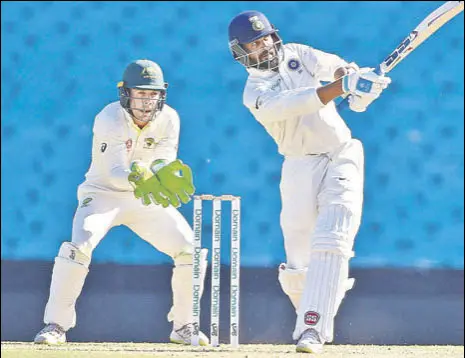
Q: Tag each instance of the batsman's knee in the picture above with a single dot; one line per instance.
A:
(335, 230)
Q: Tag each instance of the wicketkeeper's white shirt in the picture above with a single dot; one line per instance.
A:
(117, 142)
(287, 105)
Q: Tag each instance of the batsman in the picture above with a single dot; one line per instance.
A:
(322, 173)
(134, 180)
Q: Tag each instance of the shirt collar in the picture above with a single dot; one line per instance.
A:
(253, 72)
(130, 121)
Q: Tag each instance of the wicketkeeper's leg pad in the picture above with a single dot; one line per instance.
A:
(181, 283)
(69, 273)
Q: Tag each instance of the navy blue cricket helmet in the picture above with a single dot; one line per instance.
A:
(247, 27)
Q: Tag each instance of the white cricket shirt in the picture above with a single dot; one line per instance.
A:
(117, 142)
(287, 105)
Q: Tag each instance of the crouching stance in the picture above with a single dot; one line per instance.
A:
(134, 180)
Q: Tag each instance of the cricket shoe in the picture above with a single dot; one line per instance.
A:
(310, 342)
(51, 334)
(183, 336)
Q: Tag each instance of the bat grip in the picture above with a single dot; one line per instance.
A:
(345, 102)
(378, 70)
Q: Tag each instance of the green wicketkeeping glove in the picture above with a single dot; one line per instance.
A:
(137, 176)
(152, 189)
(148, 187)
(177, 178)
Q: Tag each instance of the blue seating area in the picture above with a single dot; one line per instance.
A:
(60, 65)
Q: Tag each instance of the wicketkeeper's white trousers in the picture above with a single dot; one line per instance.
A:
(97, 212)
(165, 229)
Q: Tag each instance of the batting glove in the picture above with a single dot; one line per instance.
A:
(364, 86)
(365, 81)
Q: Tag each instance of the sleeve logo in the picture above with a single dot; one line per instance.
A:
(86, 202)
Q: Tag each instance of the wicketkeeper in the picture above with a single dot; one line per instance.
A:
(134, 180)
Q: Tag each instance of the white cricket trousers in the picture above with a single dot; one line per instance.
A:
(322, 199)
(310, 183)
(164, 228)
(97, 212)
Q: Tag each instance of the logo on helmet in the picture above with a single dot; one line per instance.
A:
(149, 72)
(257, 24)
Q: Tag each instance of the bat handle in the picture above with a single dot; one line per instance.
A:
(344, 104)
(378, 70)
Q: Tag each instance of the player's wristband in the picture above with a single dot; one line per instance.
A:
(345, 84)
(157, 165)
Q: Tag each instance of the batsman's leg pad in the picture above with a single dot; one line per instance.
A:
(69, 273)
(181, 283)
(327, 278)
(292, 282)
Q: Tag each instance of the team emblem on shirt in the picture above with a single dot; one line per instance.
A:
(129, 144)
(149, 143)
(293, 64)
